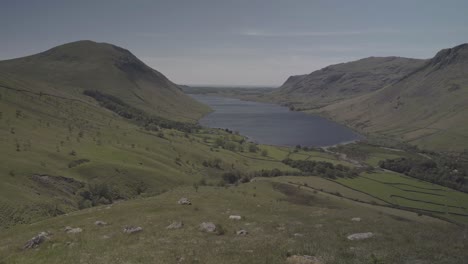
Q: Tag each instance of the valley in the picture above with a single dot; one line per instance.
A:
(124, 145)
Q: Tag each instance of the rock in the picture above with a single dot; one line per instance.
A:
(175, 225)
(356, 219)
(73, 230)
(298, 235)
(207, 227)
(281, 228)
(242, 232)
(304, 259)
(100, 223)
(318, 226)
(70, 244)
(360, 236)
(132, 229)
(235, 217)
(36, 241)
(184, 201)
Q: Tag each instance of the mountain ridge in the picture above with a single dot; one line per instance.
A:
(74, 67)
(342, 81)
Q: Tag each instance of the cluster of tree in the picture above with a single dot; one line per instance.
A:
(213, 163)
(446, 172)
(233, 177)
(322, 168)
(96, 195)
(229, 144)
(138, 116)
(75, 163)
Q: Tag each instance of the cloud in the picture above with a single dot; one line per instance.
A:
(259, 33)
(149, 34)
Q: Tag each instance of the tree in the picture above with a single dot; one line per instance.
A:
(253, 148)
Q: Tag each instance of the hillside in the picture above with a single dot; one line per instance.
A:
(72, 68)
(279, 221)
(428, 108)
(342, 81)
(72, 155)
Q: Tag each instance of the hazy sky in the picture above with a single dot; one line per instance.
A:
(237, 42)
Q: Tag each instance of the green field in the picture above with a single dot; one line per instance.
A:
(281, 221)
(410, 193)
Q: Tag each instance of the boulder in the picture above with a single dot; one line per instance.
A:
(100, 223)
(356, 219)
(303, 259)
(175, 225)
(73, 230)
(360, 236)
(242, 232)
(132, 229)
(36, 241)
(235, 217)
(184, 201)
(208, 227)
(298, 235)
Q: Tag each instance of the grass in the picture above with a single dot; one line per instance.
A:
(407, 192)
(40, 138)
(272, 213)
(49, 129)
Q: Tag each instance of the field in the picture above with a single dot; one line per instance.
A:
(281, 220)
(47, 142)
(410, 193)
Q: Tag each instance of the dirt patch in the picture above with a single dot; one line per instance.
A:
(294, 194)
(58, 183)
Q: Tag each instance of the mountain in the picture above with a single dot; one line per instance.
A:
(70, 69)
(428, 107)
(58, 143)
(343, 81)
(96, 149)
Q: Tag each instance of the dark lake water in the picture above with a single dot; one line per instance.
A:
(272, 124)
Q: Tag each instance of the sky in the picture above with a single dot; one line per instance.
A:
(237, 42)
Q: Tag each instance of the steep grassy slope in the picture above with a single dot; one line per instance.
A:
(428, 108)
(281, 220)
(342, 81)
(70, 69)
(61, 150)
(52, 149)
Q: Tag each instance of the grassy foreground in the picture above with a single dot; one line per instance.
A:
(281, 220)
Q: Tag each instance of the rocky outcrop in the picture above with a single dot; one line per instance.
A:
(235, 217)
(175, 225)
(184, 201)
(303, 259)
(208, 227)
(36, 241)
(242, 232)
(73, 230)
(360, 236)
(100, 223)
(132, 229)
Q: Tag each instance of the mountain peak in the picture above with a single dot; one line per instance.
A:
(455, 55)
(87, 50)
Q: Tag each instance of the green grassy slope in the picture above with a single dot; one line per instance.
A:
(46, 135)
(428, 108)
(69, 69)
(281, 221)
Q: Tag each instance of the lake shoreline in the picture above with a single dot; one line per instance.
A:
(273, 124)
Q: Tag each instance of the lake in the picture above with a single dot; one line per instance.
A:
(273, 124)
